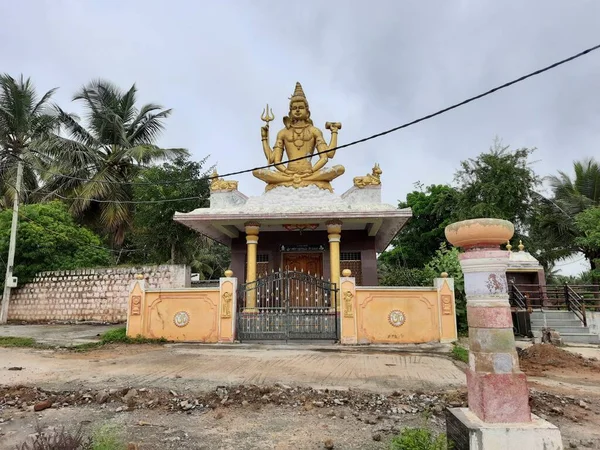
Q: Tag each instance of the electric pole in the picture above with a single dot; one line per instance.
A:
(12, 246)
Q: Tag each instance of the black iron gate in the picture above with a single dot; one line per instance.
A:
(287, 305)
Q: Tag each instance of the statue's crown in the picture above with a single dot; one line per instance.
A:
(298, 94)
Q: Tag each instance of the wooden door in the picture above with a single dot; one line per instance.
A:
(304, 262)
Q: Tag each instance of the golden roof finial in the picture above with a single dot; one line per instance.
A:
(508, 246)
(521, 246)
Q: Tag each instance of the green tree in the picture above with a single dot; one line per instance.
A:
(415, 245)
(499, 184)
(49, 239)
(26, 120)
(156, 237)
(118, 143)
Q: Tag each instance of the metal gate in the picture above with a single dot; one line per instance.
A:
(287, 305)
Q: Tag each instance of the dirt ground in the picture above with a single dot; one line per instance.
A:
(159, 409)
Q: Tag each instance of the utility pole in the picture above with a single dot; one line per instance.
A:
(12, 246)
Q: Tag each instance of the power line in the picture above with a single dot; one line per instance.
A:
(133, 202)
(359, 141)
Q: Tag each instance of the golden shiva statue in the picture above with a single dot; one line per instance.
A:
(299, 138)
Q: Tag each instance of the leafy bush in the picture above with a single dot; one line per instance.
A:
(446, 260)
(49, 239)
(419, 439)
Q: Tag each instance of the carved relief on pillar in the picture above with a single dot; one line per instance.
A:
(446, 305)
(226, 299)
(136, 305)
(348, 310)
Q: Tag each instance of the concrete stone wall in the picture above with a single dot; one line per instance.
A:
(94, 295)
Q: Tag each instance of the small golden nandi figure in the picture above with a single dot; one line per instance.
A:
(371, 179)
(219, 184)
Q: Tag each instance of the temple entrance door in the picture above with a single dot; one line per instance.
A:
(304, 262)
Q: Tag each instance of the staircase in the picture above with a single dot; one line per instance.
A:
(566, 323)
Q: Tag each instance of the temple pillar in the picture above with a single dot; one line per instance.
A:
(252, 229)
(498, 415)
(334, 230)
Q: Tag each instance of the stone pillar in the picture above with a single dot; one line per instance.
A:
(334, 230)
(498, 416)
(497, 389)
(252, 229)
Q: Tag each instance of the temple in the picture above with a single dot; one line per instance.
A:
(303, 257)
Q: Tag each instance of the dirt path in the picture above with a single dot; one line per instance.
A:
(206, 368)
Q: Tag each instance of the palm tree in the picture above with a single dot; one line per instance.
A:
(571, 196)
(582, 192)
(118, 142)
(26, 121)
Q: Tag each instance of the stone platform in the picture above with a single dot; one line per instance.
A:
(468, 432)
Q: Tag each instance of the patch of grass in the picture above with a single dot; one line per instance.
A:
(107, 437)
(12, 341)
(117, 336)
(460, 353)
(419, 439)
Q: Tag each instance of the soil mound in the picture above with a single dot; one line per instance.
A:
(544, 357)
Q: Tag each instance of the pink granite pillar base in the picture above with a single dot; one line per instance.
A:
(499, 398)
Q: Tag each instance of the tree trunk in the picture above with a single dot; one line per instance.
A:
(173, 253)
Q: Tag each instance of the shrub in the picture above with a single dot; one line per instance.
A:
(419, 439)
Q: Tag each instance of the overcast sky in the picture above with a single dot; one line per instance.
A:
(369, 64)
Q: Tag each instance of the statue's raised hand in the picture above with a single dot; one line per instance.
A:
(264, 132)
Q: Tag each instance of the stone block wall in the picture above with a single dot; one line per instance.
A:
(93, 295)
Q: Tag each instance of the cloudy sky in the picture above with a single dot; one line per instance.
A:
(369, 64)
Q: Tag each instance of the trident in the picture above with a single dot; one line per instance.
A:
(267, 115)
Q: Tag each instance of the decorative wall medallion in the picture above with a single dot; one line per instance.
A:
(396, 318)
(348, 296)
(226, 299)
(447, 304)
(136, 305)
(181, 319)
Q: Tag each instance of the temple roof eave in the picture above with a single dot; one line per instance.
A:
(222, 227)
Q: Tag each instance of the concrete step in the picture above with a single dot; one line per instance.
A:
(564, 329)
(579, 338)
(556, 323)
(555, 315)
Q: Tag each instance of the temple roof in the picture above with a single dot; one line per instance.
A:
(523, 261)
(358, 209)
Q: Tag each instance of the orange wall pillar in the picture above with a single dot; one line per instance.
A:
(446, 308)
(137, 302)
(227, 307)
(347, 308)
